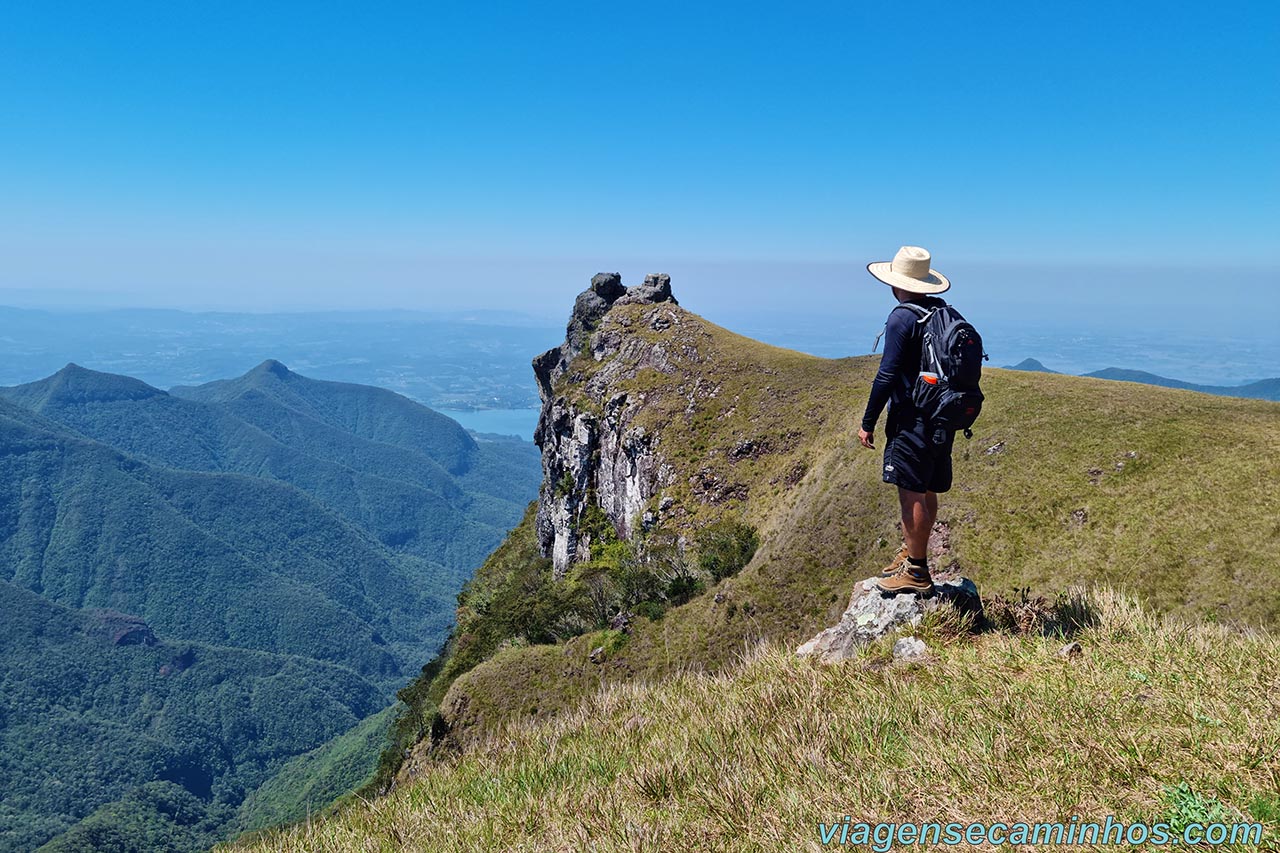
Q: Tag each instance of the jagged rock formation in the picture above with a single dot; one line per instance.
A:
(871, 615)
(591, 451)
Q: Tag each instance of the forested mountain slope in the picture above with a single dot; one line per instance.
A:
(275, 424)
(93, 705)
(215, 558)
(262, 592)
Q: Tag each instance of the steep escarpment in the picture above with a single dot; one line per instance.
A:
(659, 427)
(659, 420)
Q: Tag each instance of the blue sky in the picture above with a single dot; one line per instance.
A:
(263, 156)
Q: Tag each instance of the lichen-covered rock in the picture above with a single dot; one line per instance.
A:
(872, 614)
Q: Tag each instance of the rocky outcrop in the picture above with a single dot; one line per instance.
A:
(592, 452)
(120, 629)
(872, 614)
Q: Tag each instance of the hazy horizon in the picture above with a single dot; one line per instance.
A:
(1071, 181)
(1170, 296)
(166, 345)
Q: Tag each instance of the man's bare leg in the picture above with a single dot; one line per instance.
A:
(918, 512)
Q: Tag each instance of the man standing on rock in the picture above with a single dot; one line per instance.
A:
(913, 462)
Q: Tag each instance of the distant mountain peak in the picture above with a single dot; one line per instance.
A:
(1262, 389)
(1029, 364)
(273, 367)
(371, 413)
(75, 385)
(73, 371)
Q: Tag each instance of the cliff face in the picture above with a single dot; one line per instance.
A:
(593, 452)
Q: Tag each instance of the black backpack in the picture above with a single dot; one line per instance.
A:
(951, 355)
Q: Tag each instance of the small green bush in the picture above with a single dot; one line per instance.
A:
(725, 546)
(682, 587)
(1185, 806)
(652, 610)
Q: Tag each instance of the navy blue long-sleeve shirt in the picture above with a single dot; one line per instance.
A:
(899, 365)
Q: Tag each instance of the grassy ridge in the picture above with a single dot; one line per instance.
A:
(670, 741)
(1152, 491)
(1158, 719)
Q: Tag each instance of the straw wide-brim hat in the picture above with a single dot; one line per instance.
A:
(909, 270)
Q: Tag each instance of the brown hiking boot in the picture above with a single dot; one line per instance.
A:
(910, 579)
(896, 566)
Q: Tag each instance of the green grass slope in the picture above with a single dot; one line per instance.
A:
(542, 733)
(1158, 720)
(1156, 492)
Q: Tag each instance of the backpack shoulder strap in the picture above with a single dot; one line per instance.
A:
(919, 310)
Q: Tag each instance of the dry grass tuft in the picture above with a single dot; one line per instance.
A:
(1023, 613)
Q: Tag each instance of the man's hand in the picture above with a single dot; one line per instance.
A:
(868, 439)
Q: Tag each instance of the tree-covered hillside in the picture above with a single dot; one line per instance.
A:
(195, 591)
(216, 558)
(410, 476)
(93, 705)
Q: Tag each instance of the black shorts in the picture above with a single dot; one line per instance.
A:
(913, 461)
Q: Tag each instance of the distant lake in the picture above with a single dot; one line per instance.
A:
(519, 422)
